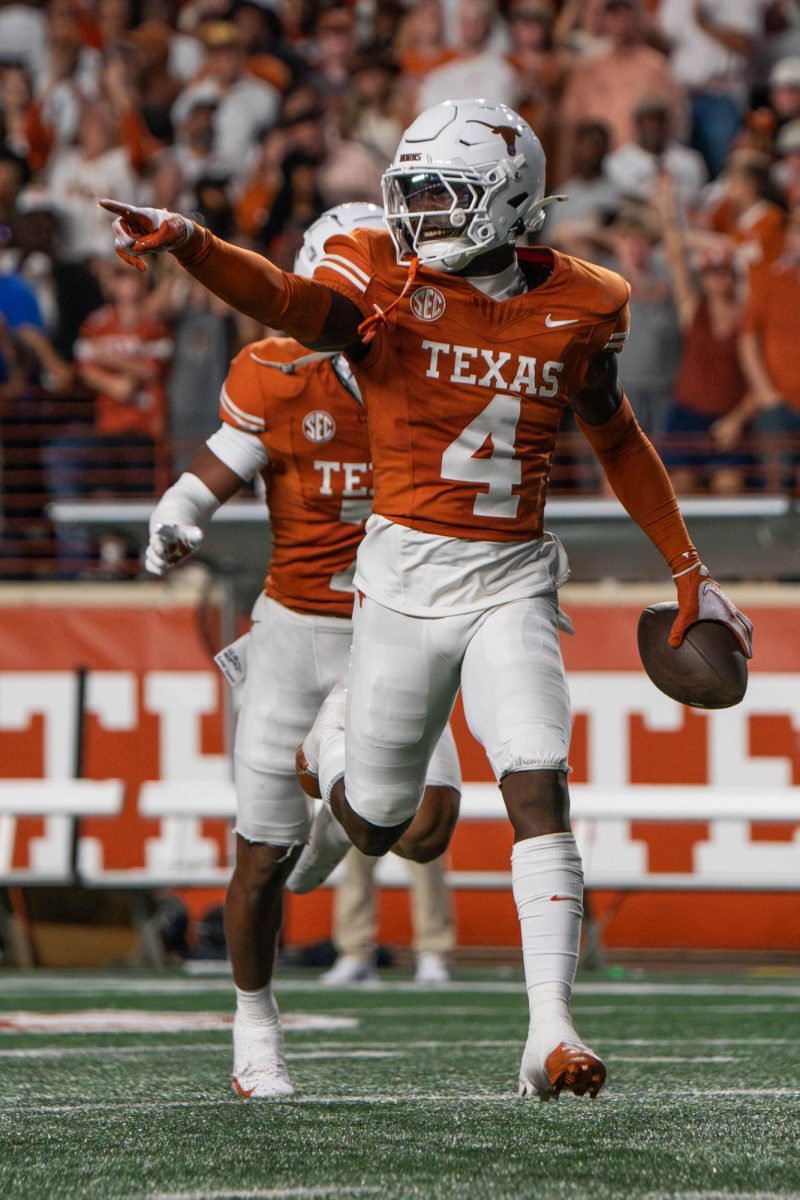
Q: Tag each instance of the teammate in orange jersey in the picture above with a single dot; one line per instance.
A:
(466, 351)
(296, 418)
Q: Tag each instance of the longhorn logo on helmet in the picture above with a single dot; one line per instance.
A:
(507, 132)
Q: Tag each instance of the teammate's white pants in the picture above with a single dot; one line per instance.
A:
(405, 673)
(293, 661)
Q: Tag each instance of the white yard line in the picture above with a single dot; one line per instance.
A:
(789, 989)
(674, 1058)
(400, 1010)
(637, 1097)
(717, 1195)
(133, 1052)
(703, 1041)
(217, 1047)
(185, 985)
(267, 1193)
(132, 1020)
(392, 1049)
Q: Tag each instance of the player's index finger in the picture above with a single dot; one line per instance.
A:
(115, 206)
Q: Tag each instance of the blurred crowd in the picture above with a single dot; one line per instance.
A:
(672, 126)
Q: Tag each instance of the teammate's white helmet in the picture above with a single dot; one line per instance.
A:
(344, 218)
(486, 159)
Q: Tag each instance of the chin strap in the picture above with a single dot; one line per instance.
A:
(370, 325)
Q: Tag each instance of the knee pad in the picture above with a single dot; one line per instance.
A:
(381, 801)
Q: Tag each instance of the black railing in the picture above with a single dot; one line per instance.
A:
(50, 451)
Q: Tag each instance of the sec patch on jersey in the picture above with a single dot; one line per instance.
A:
(707, 671)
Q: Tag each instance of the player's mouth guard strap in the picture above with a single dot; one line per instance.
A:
(641, 483)
(370, 326)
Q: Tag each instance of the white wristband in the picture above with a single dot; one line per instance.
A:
(698, 566)
(188, 502)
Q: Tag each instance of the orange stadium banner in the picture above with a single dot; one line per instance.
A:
(154, 731)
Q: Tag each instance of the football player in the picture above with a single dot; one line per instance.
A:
(467, 350)
(298, 420)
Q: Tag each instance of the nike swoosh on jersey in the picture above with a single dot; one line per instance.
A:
(551, 324)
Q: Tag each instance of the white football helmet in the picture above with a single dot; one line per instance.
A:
(344, 218)
(467, 176)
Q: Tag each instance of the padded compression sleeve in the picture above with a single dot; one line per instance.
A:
(242, 452)
(255, 286)
(188, 502)
(641, 483)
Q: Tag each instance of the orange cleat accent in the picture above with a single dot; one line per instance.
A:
(243, 1093)
(574, 1069)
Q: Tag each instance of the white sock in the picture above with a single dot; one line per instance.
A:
(258, 1008)
(547, 879)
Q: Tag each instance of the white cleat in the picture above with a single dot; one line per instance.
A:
(349, 971)
(568, 1066)
(431, 969)
(329, 719)
(326, 847)
(259, 1067)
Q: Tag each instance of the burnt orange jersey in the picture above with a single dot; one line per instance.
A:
(319, 477)
(464, 394)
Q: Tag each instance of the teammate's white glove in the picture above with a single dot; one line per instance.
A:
(170, 544)
(140, 231)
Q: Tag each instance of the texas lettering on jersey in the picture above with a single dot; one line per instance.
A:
(465, 394)
(319, 478)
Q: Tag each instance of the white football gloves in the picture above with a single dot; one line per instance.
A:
(177, 522)
(141, 231)
(170, 544)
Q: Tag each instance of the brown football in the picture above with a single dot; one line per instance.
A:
(708, 670)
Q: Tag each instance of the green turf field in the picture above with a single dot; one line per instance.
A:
(413, 1095)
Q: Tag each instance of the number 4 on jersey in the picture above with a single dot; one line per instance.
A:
(502, 471)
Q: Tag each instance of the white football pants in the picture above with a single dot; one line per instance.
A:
(405, 673)
(293, 661)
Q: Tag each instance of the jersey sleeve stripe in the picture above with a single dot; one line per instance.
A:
(346, 262)
(246, 420)
(616, 341)
(332, 266)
